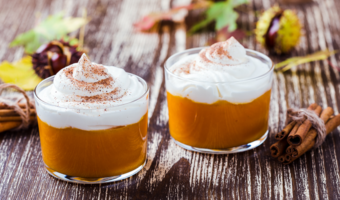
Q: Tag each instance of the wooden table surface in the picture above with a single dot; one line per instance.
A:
(172, 172)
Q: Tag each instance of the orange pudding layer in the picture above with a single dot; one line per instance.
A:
(219, 125)
(99, 153)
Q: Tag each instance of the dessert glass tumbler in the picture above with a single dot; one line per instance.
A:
(82, 146)
(237, 121)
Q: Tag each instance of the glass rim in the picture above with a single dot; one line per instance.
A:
(117, 106)
(271, 69)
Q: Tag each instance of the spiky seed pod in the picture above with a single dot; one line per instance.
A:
(52, 57)
(278, 30)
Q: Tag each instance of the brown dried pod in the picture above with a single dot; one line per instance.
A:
(53, 56)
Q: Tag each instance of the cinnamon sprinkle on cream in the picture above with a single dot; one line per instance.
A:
(88, 86)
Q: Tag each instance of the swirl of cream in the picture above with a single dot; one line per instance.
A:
(229, 57)
(88, 82)
(230, 52)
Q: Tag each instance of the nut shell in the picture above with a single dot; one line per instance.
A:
(278, 30)
(50, 58)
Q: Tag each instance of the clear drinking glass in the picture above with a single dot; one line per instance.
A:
(221, 127)
(104, 154)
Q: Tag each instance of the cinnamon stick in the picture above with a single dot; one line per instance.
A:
(312, 134)
(294, 156)
(4, 126)
(310, 139)
(282, 158)
(13, 118)
(326, 114)
(278, 148)
(295, 128)
(332, 123)
(300, 134)
(9, 112)
(306, 145)
(21, 105)
(296, 138)
(285, 131)
(318, 110)
(289, 149)
(288, 157)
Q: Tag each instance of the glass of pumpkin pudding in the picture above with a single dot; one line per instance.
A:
(218, 97)
(92, 123)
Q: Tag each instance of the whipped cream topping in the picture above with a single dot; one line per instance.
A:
(91, 85)
(217, 72)
(230, 52)
(91, 96)
(88, 72)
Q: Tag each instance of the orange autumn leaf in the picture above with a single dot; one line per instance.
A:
(176, 14)
(224, 34)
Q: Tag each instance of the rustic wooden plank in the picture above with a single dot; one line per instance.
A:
(334, 154)
(307, 88)
(333, 169)
(320, 152)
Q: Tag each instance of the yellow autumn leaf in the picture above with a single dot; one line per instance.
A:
(295, 61)
(20, 73)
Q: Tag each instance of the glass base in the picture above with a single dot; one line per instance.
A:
(238, 149)
(95, 180)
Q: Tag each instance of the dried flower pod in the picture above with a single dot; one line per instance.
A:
(52, 57)
(278, 30)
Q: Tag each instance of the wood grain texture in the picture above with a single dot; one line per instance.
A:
(172, 172)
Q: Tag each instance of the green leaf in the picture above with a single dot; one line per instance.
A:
(23, 38)
(223, 14)
(295, 61)
(73, 41)
(200, 25)
(212, 13)
(239, 2)
(73, 24)
(33, 45)
(53, 27)
(217, 9)
(227, 19)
